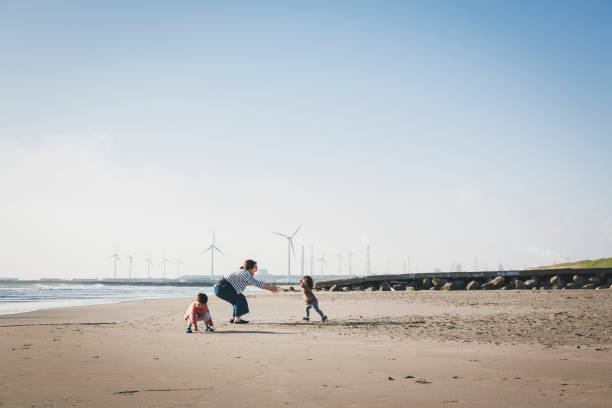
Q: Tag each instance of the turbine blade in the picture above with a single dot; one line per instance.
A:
(296, 231)
(218, 250)
(207, 249)
(282, 235)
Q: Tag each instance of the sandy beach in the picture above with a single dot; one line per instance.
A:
(427, 349)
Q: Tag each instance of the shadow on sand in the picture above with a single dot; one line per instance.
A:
(413, 323)
(250, 332)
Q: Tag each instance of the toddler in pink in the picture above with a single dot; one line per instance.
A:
(198, 311)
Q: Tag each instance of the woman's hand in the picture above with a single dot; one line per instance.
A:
(271, 288)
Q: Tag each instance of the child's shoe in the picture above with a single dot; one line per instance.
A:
(306, 319)
(324, 319)
(209, 329)
(188, 330)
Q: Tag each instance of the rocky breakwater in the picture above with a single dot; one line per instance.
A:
(562, 279)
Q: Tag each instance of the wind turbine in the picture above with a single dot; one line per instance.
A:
(149, 263)
(302, 260)
(339, 264)
(116, 256)
(131, 265)
(164, 262)
(289, 249)
(350, 254)
(212, 249)
(323, 262)
(179, 262)
(311, 259)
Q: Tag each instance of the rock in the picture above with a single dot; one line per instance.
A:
(371, 289)
(458, 284)
(556, 282)
(473, 285)
(448, 286)
(346, 289)
(410, 288)
(426, 283)
(384, 287)
(595, 280)
(291, 289)
(334, 288)
(518, 284)
(531, 283)
(438, 283)
(589, 286)
(494, 283)
(504, 288)
(579, 280)
(398, 287)
(432, 288)
(498, 281)
(572, 285)
(534, 288)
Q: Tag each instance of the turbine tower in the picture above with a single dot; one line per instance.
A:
(131, 264)
(290, 249)
(302, 260)
(164, 262)
(350, 256)
(212, 248)
(149, 264)
(311, 260)
(339, 264)
(179, 262)
(323, 262)
(116, 256)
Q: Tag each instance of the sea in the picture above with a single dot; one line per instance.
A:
(27, 297)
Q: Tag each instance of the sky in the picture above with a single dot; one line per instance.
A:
(442, 133)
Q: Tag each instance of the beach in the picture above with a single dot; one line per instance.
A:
(422, 348)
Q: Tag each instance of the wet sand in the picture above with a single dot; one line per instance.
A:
(426, 349)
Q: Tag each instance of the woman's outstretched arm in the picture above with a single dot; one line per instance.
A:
(271, 288)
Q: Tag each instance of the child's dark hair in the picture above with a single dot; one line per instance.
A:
(202, 298)
(308, 280)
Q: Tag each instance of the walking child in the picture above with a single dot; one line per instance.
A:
(198, 311)
(311, 300)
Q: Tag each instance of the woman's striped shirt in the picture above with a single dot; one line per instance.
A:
(241, 279)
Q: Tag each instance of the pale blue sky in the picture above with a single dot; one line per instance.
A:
(443, 131)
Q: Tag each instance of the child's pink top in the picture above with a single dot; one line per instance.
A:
(193, 311)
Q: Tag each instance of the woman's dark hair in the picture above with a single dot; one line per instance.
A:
(202, 298)
(308, 281)
(249, 264)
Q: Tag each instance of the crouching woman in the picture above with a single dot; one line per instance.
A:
(232, 285)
